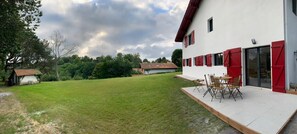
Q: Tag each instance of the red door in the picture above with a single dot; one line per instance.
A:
(232, 59)
(278, 66)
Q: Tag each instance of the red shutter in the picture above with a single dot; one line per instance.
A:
(201, 60)
(208, 60)
(234, 68)
(184, 62)
(226, 58)
(190, 62)
(193, 37)
(197, 61)
(278, 66)
(186, 41)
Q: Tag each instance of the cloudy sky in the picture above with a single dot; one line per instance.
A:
(106, 27)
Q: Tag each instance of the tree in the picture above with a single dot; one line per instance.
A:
(60, 48)
(15, 17)
(114, 67)
(161, 60)
(176, 57)
(145, 60)
(134, 60)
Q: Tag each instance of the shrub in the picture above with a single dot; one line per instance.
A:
(77, 77)
(48, 77)
(135, 72)
(64, 78)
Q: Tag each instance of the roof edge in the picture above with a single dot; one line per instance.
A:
(187, 19)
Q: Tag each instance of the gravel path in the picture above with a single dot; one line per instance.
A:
(5, 94)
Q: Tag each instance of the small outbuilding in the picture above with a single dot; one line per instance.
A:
(24, 77)
(153, 68)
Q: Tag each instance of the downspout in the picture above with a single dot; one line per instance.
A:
(286, 43)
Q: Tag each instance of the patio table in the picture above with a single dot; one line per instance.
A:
(225, 80)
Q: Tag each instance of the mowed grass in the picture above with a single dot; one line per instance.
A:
(143, 104)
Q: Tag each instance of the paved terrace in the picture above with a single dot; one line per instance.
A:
(260, 110)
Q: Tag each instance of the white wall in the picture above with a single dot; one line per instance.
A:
(28, 80)
(235, 23)
(291, 43)
(158, 71)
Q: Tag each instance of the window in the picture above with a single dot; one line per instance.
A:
(218, 59)
(210, 24)
(190, 39)
(187, 62)
(294, 6)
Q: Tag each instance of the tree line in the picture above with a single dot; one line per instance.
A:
(77, 68)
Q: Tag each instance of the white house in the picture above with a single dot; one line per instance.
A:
(153, 68)
(24, 77)
(256, 39)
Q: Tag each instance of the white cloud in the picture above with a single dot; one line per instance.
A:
(105, 27)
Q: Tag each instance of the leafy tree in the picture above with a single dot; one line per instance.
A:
(161, 60)
(60, 48)
(176, 57)
(15, 17)
(134, 60)
(145, 60)
(115, 67)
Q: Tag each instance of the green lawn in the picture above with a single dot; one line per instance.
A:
(143, 104)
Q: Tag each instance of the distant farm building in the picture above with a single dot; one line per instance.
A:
(24, 77)
(153, 68)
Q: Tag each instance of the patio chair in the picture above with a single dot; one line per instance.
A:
(208, 87)
(198, 84)
(234, 87)
(211, 83)
(218, 88)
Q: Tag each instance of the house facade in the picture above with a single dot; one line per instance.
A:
(154, 68)
(24, 77)
(256, 39)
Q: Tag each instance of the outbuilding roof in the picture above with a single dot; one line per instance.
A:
(187, 20)
(158, 65)
(26, 72)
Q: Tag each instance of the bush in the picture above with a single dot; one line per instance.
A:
(91, 77)
(135, 72)
(77, 77)
(64, 78)
(180, 69)
(49, 77)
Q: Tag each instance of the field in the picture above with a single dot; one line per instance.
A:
(142, 104)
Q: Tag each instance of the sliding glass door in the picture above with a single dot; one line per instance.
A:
(258, 67)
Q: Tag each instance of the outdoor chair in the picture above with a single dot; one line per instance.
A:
(198, 84)
(218, 88)
(211, 83)
(234, 87)
(208, 87)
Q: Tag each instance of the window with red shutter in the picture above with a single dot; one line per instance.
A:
(190, 62)
(184, 62)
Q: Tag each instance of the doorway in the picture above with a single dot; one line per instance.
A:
(258, 67)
